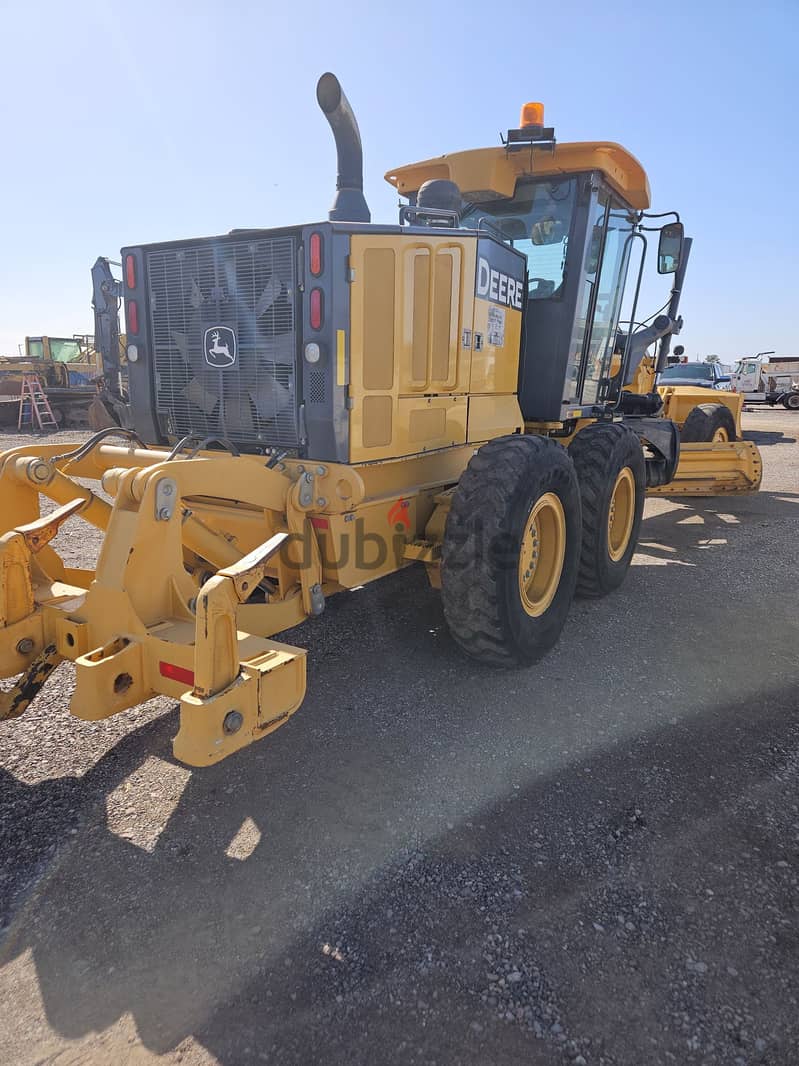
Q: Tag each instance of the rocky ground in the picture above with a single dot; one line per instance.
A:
(594, 861)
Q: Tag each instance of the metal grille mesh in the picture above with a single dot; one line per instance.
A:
(243, 284)
(316, 387)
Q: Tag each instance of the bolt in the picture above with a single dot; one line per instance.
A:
(316, 589)
(301, 468)
(321, 501)
(25, 646)
(164, 514)
(39, 471)
(166, 489)
(308, 478)
(321, 471)
(233, 722)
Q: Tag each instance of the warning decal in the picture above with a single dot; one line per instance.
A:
(495, 334)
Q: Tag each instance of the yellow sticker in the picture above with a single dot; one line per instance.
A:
(341, 357)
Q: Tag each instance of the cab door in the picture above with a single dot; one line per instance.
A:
(607, 256)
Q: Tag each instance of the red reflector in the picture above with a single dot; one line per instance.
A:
(317, 308)
(320, 523)
(133, 316)
(130, 271)
(176, 673)
(316, 254)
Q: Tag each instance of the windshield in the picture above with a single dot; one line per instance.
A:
(688, 370)
(537, 222)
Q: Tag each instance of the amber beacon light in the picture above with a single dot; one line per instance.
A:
(532, 115)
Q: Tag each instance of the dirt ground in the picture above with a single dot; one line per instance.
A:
(593, 861)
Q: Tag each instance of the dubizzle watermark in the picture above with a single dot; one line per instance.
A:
(370, 550)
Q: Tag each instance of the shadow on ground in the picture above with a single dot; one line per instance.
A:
(764, 437)
(446, 863)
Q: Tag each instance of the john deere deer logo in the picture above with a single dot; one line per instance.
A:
(398, 515)
(220, 346)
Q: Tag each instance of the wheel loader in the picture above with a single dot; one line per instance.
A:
(312, 407)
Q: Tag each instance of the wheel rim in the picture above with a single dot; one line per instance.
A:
(543, 550)
(621, 514)
(721, 436)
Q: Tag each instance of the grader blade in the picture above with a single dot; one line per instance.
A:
(715, 470)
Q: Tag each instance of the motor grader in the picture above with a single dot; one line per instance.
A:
(312, 407)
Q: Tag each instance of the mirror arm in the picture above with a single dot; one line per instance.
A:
(674, 304)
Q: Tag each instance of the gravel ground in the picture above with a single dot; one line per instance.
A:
(592, 861)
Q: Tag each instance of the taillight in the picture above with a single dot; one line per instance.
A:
(317, 308)
(133, 316)
(130, 271)
(315, 248)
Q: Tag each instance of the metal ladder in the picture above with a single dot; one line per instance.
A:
(34, 407)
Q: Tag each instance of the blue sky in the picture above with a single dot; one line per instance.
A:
(127, 123)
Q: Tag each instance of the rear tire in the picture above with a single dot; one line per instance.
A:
(791, 402)
(708, 423)
(511, 550)
(611, 470)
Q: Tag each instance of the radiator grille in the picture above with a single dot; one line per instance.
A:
(237, 284)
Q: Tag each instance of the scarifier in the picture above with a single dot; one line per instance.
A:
(315, 406)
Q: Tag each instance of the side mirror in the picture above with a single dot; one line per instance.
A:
(670, 248)
(724, 380)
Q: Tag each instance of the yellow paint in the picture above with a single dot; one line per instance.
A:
(543, 549)
(411, 301)
(680, 400)
(376, 356)
(341, 357)
(621, 514)
(495, 368)
(377, 423)
(715, 470)
(643, 380)
(493, 416)
(491, 173)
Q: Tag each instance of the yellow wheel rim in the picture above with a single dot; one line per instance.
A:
(543, 550)
(621, 514)
(721, 436)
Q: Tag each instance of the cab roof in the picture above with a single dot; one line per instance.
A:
(491, 173)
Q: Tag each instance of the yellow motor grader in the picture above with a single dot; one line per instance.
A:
(315, 406)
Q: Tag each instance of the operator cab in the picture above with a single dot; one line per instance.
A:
(575, 211)
(574, 232)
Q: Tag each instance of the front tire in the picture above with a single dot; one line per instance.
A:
(611, 470)
(511, 549)
(709, 423)
(791, 401)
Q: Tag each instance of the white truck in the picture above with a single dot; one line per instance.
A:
(772, 382)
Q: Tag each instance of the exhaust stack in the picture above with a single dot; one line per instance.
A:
(349, 204)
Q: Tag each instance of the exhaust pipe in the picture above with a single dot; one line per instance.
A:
(349, 204)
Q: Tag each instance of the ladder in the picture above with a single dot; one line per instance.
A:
(34, 407)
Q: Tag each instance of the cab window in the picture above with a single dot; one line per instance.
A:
(537, 222)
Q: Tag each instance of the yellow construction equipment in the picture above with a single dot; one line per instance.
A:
(315, 406)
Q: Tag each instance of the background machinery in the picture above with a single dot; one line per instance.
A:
(770, 381)
(315, 406)
(67, 368)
